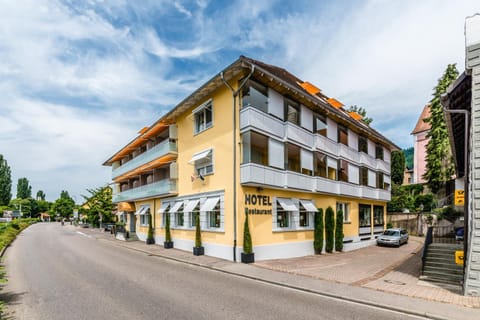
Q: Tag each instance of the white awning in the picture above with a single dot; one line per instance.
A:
(143, 210)
(200, 155)
(287, 204)
(308, 205)
(210, 204)
(176, 206)
(164, 207)
(191, 205)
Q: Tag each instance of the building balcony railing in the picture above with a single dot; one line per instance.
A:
(157, 151)
(252, 118)
(258, 175)
(159, 188)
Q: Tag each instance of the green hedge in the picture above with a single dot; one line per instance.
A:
(9, 230)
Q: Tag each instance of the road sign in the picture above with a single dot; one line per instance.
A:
(459, 257)
(459, 197)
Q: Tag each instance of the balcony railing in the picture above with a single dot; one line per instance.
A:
(157, 151)
(159, 188)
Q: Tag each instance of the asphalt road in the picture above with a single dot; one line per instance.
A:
(55, 272)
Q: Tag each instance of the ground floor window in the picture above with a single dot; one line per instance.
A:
(345, 208)
(364, 215)
(213, 217)
(283, 218)
(378, 215)
(144, 218)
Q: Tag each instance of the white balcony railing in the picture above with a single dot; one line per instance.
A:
(157, 151)
(159, 188)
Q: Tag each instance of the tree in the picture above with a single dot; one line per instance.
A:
(439, 161)
(361, 111)
(5, 182)
(339, 231)
(40, 195)
(64, 195)
(99, 203)
(408, 157)
(329, 229)
(247, 237)
(24, 190)
(318, 233)
(62, 207)
(198, 235)
(22, 205)
(398, 167)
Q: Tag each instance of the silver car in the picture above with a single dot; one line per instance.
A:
(393, 237)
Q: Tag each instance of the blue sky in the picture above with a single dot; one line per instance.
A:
(78, 79)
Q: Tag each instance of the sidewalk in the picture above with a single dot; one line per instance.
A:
(362, 276)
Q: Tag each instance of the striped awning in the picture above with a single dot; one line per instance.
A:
(126, 206)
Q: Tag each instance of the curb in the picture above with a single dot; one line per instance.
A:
(294, 287)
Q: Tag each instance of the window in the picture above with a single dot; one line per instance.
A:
(292, 111)
(283, 218)
(306, 162)
(307, 213)
(364, 215)
(293, 157)
(144, 217)
(255, 148)
(203, 117)
(378, 215)
(362, 144)
(255, 95)
(284, 211)
(378, 152)
(320, 165)
(345, 208)
(203, 162)
(380, 184)
(332, 168)
(343, 170)
(320, 125)
(177, 209)
(363, 176)
(213, 217)
(342, 135)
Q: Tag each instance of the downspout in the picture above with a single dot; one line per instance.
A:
(235, 94)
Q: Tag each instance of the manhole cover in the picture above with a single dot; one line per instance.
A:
(400, 283)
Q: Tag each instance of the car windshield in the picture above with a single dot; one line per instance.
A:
(391, 233)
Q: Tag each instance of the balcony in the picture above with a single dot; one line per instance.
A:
(160, 188)
(156, 152)
(254, 118)
(258, 175)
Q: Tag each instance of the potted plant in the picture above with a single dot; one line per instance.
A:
(198, 250)
(247, 255)
(150, 238)
(168, 243)
(318, 233)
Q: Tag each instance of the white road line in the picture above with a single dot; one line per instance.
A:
(83, 234)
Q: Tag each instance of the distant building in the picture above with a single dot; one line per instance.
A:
(420, 146)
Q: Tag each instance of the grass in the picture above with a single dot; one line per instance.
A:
(8, 233)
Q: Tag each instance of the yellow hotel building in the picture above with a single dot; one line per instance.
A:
(254, 139)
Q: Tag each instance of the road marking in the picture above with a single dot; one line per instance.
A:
(83, 234)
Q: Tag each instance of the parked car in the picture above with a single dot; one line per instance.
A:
(459, 233)
(393, 237)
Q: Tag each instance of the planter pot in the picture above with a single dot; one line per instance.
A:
(198, 251)
(248, 257)
(168, 244)
(150, 241)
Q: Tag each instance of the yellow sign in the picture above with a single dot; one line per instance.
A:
(459, 257)
(459, 197)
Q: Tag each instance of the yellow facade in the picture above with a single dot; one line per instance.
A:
(263, 200)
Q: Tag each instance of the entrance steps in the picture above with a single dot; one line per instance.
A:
(440, 267)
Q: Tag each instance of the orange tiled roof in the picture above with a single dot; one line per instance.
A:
(421, 125)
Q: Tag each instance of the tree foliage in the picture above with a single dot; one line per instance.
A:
(198, 235)
(398, 167)
(339, 231)
(5, 182)
(440, 164)
(247, 237)
(40, 195)
(62, 207)
(329, 229)
(318, 233)
(168, 235)
(98, 204)
(24, 189)
(22, 205)
(361, 111)
(408, 157)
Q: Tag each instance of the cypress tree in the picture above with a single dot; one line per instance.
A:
(198, 236)
(339, 231)
(24, 190)
(440, 164)
(247, 237)
(318, 233)
(398, 167)
(168, 236)
(329, 229)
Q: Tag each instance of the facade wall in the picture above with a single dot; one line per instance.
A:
(420, 152)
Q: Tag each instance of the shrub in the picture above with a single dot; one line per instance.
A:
(168, 236)
(15, 225)
(198, 236)
(247, 238)
(339, 231)
(329, 229)
(318, 233)
(150, 238)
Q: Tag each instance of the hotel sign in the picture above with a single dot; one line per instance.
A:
(257, 200)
